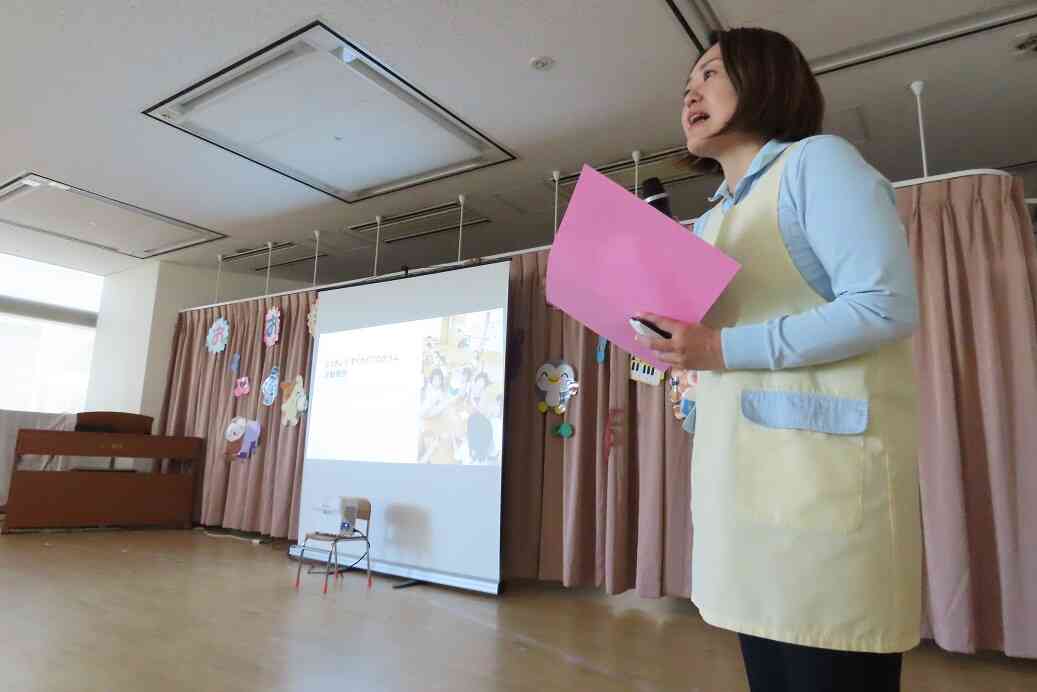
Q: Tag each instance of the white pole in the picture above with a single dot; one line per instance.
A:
(557, 177)
(269, 253)
(219, 270)
(316, 254)
(460, 227)
(377, 242)
(917, 87)
(636, 156)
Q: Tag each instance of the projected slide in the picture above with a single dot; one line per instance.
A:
(427, 391)
(406, 411)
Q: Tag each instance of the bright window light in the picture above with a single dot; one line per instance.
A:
(51, 365)
(47, 283)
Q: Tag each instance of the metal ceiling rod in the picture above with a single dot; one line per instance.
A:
(219, 270)
(917, 86)
(460, 226)
(316, 254)
(555, 175)
(377, 241)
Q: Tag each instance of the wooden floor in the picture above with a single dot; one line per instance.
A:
(156, 611)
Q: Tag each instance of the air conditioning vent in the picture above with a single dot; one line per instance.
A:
(38, 204)
(318, 109)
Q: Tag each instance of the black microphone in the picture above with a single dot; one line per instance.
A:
(656, 195)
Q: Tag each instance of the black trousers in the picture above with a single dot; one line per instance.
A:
(778, 667)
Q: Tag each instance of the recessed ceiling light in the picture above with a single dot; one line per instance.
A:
(542, 63)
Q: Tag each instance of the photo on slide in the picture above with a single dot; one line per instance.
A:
(428, 391)
(462, 397)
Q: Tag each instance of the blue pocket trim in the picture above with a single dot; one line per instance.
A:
(800, 411)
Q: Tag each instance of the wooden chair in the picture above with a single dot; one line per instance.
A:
(363, 513)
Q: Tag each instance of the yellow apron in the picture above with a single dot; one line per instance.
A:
(804, 481)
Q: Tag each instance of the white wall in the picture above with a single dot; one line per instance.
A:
(121, 342)
(139, 309)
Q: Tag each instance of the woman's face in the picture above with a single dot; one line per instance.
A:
(710, 101)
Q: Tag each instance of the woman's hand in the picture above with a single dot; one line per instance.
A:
(692, 346)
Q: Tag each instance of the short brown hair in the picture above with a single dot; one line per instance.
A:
(778, 95)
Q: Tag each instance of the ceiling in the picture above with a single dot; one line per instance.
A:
(86, 72)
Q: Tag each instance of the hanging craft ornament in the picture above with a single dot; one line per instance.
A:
(242, 436)
(311, 319)
(269, 388)
(601, 352)
(293, 401)
(235, 363)
(564, 431)
(682, 392)
(557, 383)
(272, 326)
(241, 387)
(219, 333)
(236, 430)
(250, 440)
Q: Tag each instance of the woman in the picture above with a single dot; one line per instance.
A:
(434, 397)
(804, 479)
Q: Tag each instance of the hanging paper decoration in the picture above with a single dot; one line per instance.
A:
(269, 387)
(682, 391)
(236, 430)
(243, 436)
(557, 383)
(311, 319)
(293, 401)
(219, 333)
(272, 327)
(564, 431)
(241, 387)
(250, 441)
(601, 352)
(640, 371)
(235, 363)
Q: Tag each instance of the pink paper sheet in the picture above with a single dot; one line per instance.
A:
(615, 256)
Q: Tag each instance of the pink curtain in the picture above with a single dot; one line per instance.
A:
(976, 358)
(260, 494)
(609, 506)
(591, 510)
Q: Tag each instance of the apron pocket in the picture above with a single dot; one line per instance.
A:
(800, 460)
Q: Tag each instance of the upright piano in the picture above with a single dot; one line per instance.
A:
(104, 497)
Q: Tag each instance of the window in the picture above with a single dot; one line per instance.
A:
(48, 316)
(47, 283)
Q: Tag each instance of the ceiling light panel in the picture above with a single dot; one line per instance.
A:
(38, 204)
(317, 109)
